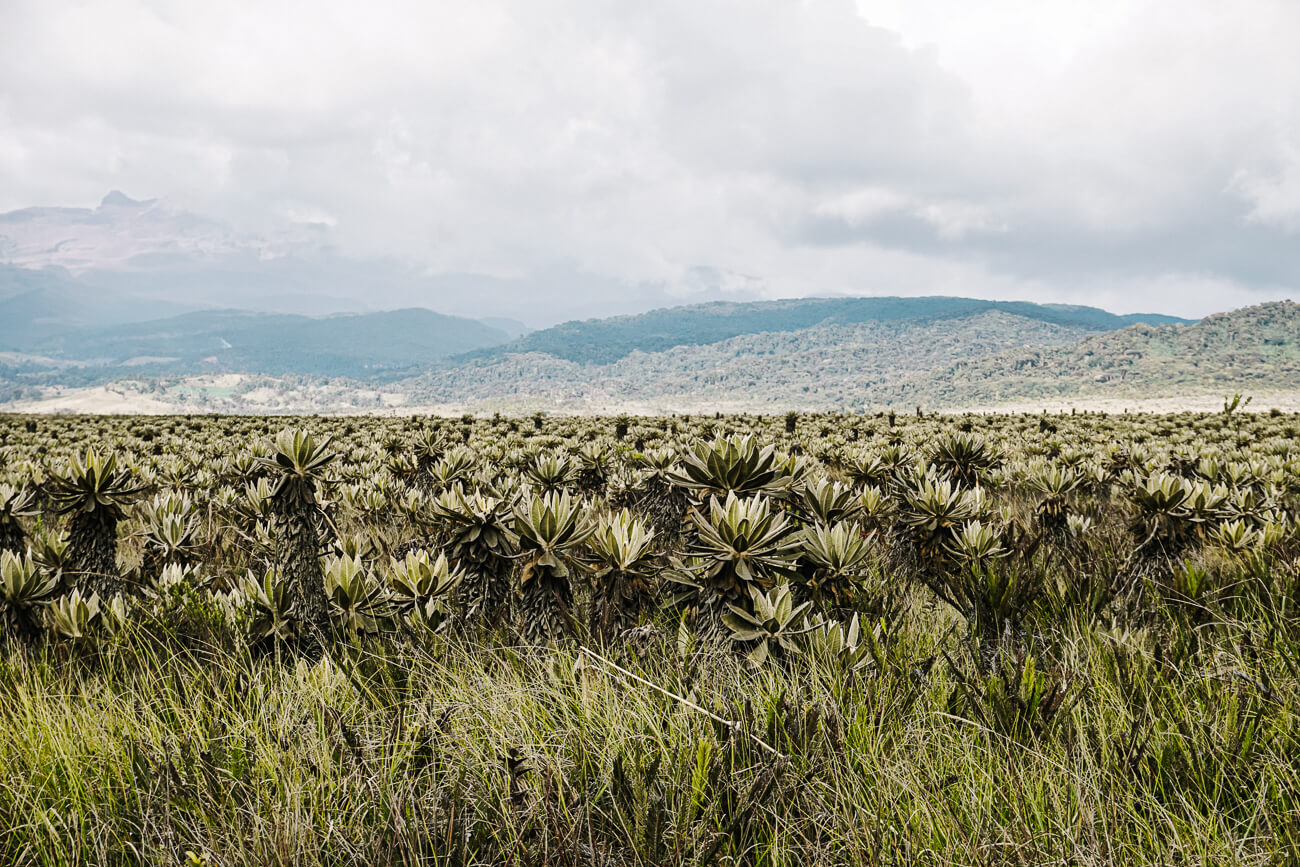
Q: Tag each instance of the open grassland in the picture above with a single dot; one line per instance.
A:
(810, 639)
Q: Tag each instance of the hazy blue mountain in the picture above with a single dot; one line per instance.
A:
(36, 305)
(512, 327)
(112, 317)
(356, 345)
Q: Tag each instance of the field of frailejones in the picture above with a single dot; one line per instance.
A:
(803, 640)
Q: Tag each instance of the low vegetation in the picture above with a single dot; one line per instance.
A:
(796, 639)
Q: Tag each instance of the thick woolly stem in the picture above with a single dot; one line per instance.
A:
(92, 553)
(548, 606)
(297, 547)
(487, 593)
(11, 535)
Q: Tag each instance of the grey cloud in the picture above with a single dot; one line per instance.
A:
(560, 157)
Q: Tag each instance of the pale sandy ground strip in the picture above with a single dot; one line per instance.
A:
(97, 400)
(1286, 402)
(124, 399)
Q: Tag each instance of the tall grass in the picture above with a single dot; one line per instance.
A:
(1093, 676)
(446, 752)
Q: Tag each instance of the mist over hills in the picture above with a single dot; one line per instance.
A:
(136, 260)
(355, 345)
(56, 330)
(140, 291)
(136, 288)
(685, 348)
(940, 353)
(36, 305)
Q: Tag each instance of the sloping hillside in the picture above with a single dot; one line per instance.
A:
(988, 358)
(828, 365)
(602, 341)
(1253, 348)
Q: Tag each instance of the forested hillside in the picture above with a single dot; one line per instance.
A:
(828, 365)
(601, 341)
(1254, 348)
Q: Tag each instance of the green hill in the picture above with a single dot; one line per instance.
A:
(1253, 348)
(948, 360)
(602, 341)
(828, 365)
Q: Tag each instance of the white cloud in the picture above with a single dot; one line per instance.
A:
(1052, 150)
(1273, 192)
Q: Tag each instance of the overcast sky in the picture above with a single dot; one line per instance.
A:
(1132, 155)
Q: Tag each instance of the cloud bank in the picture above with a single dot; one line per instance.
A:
(602, 156)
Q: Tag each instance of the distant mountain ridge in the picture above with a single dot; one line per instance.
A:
(602, 341)
(147, 291)
(365, 345)
(812, 353)
(36, 305)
